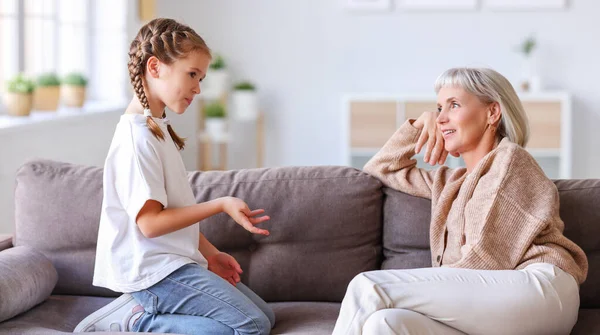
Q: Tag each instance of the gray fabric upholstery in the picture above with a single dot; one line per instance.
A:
(325, 228)
(324, 220)
(328, 224)
(580, 210)
(405, 231)
(57, 211)
(5, 241)
(60, 314)
(57, 315)
(26, 279)
(315, 318)
(587, 322)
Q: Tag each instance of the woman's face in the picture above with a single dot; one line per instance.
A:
(462, 119)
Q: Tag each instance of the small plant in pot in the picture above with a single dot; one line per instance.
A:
(19, 96)
(244, 101)
(214, 114)
(531, 80)
(47, 93)
(72, 90)
(216, 84)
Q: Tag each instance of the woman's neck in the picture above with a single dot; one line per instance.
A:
(473, 157)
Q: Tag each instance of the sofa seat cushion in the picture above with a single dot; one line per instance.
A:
(587, 323)
(313, 318)
(60, 314)
(26, 279)
(57, 315)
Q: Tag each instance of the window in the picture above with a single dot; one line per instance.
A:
(63, 36)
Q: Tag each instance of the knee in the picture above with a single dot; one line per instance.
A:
(264, 324)
(270, 316)
(361, 284)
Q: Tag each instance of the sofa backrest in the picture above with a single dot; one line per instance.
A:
(406, 230)
(325, 225)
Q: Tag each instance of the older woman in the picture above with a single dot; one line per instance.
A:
(501, 264)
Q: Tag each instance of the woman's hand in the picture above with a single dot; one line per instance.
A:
(435, 153)
(225, 266)
(240, 213)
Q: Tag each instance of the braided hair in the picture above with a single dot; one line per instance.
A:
(168, 41)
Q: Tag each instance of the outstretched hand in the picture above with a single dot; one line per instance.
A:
(225, 266)
(240, 213)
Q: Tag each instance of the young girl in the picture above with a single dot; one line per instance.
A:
(501, 264)
(149, 244)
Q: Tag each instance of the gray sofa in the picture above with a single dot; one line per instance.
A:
(327, 225)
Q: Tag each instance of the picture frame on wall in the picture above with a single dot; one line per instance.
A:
(525, 4)
(368, 5)
(437, 5)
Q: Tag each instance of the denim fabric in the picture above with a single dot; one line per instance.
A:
(193, 300)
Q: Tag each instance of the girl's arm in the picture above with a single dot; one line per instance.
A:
(154, 220)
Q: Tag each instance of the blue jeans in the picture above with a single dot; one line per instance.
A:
(194, 300)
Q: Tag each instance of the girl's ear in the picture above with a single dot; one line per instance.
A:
(494, 113)
(153, 66)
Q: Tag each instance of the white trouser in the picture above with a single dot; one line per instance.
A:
(540, 299)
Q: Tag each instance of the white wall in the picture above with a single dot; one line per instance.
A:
(304, 54)
(78, 139)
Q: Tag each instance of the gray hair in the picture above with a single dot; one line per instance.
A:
(490, 86)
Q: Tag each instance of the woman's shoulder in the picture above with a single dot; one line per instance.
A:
(518, 158)
(523, 175)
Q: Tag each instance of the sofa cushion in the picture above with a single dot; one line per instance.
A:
(325, 228)
(325, 225)
(315, 318)
(57, 315)
(406, 230)
(57, 211)
(579, 209)
(26, 279)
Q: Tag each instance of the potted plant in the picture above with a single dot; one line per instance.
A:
(19, 96)
(214, 114)
(244, 101)
(72, 89)
(531, 80)
(47, 93)
(216, 84)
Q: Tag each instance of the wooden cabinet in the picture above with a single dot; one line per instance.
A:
(371, 119)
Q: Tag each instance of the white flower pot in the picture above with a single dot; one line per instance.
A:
(531, 80)
(215, 127)
(244, 105)
(216, 84)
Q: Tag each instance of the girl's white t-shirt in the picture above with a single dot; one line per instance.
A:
(140, 167)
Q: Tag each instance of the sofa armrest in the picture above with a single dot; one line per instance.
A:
(27, 278)
(6, 241)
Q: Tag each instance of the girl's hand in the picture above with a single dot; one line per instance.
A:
(435, 153)
(240, 213)
(225, 266)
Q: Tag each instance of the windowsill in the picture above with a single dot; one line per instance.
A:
(63, 113)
